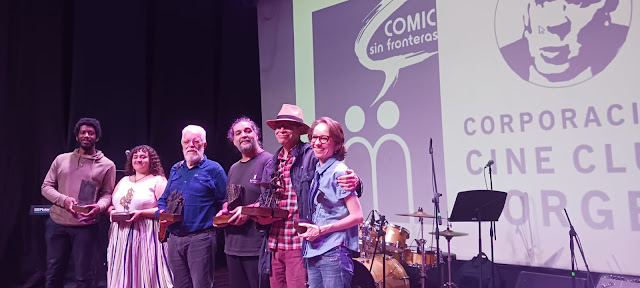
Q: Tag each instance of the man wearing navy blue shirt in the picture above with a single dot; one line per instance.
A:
(202, 182)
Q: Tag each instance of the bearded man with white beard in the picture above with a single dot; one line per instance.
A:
(192, 243)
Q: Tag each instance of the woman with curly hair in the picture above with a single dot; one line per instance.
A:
(135, 256)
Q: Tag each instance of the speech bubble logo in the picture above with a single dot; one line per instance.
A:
(390, 66)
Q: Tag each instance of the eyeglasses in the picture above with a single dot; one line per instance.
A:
(285, 125)
(196, 142)
(322, 139)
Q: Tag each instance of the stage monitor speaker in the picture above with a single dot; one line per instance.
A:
(618, 282)
(468, 276)
(539, 280)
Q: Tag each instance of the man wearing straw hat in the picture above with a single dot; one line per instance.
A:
(294, 164)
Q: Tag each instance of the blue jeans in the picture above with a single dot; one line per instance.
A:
(333, 269)
(75, 242)
(192, 258)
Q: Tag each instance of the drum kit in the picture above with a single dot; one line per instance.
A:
(385, 258)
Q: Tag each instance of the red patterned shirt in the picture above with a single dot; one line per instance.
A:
(283, 236)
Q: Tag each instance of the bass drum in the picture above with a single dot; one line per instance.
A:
(362, 278)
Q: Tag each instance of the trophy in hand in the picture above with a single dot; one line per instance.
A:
(173, 213)
(269, 201)
(234, 194)
(87, 195)
(272, 196)
(175, 204)
(125, 202)
(299, 228)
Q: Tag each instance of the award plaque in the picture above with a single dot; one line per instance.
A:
(124, 201)
(269, 200)
(162, 233)
(222, 219)
(266, 212)
(82, 209)
(173, 213)
(120, 216)
(272, 195)
(175, 205)
(234, 195)
(87, 195)
(254, 211)
(301, 229)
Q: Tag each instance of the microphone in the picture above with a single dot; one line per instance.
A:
(430, 145)
(126, 152)
(489, 164)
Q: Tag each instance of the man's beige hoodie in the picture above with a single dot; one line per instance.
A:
(65, 176)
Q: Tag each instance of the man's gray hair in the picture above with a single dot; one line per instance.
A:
(196, 130)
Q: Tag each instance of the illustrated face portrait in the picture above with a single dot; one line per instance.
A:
(244, 138)
(193, 147)
(555, 29)
(559, 43)
(87, 137)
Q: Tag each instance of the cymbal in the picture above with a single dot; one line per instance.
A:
(419, 214)
(450, 233)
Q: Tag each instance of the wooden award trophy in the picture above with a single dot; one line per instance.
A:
(87, 195)
(124, 201)
(173, 213)
(234, 195)
(269, 204)
(267, 209)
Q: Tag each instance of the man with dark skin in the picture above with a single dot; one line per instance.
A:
(294, 164)
(87, 171)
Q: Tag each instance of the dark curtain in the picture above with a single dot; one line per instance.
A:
(144, 68)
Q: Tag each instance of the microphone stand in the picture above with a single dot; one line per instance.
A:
(375, 246)
(381, 234)
(436, 204)
(492, 235)
(573, 235)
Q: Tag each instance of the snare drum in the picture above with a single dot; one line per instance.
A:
(414, 259)
(395, 274)
(395, 237)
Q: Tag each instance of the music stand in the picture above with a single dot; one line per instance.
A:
(478, 206)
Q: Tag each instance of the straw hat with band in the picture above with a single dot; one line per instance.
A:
(289, 113)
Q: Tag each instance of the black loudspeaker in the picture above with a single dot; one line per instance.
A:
(619, 281)
(469, 274)
(539, 280)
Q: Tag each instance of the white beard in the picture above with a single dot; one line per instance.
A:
(194, 158)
